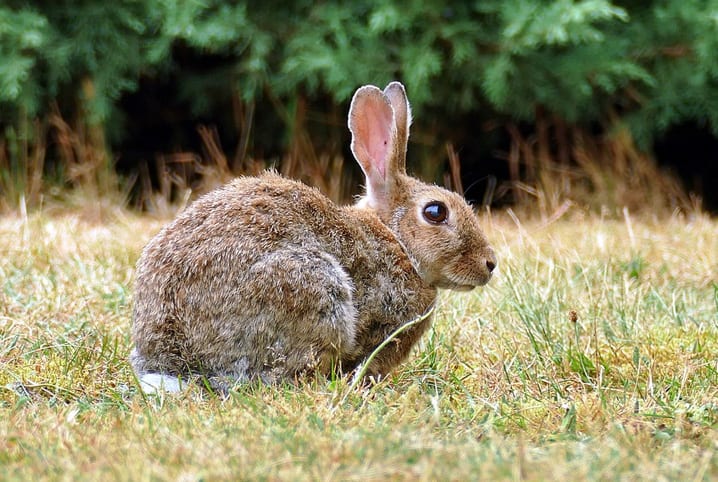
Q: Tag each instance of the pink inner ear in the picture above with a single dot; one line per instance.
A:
(377, 124)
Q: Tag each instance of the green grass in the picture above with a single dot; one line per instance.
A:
(592, 355)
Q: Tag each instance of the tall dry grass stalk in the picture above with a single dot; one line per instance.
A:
(22, 162)
(83, 149)
(452, 179)
(185, 175)
(550, 171)
(80, 153)
(559, 166)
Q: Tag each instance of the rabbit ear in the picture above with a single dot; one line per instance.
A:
(374, 142)
(402, 115)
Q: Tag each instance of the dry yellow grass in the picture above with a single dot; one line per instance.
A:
(592, 355)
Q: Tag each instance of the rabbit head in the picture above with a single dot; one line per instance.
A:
(437, 228)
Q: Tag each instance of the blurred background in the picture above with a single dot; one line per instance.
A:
(539, 105)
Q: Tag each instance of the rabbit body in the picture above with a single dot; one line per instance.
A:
(266, 278)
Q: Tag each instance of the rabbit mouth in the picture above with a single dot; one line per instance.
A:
(463, 287)
(463, 284)
(456, 286)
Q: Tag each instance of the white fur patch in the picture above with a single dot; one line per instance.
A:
(154, 383)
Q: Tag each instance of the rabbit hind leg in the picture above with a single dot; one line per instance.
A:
(308, 298)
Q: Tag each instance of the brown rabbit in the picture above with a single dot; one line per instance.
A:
(266, 278)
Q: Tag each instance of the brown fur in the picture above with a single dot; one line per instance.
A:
(266, 278)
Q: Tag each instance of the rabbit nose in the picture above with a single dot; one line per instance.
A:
(491, 262)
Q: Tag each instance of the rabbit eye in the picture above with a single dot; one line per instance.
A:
(435, 212)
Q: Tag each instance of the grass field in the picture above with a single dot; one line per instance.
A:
(592, 355)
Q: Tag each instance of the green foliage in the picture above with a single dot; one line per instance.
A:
(47, 49)
(22, 36)
(650, 64)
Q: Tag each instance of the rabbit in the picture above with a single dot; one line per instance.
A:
(266, 279)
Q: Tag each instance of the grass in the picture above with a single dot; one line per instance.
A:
(592, 355)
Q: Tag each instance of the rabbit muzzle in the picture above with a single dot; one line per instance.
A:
(465, 275)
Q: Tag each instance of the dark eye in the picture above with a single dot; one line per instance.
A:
(435, 212)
